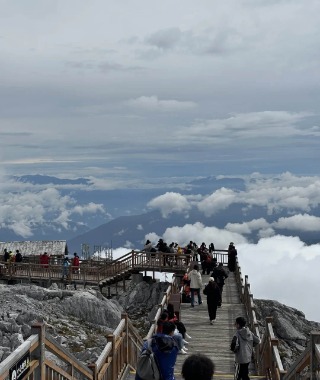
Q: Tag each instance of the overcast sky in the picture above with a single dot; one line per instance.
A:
(212, 87)
(131, 92)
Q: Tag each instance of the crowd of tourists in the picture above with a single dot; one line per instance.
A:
(172, 339)
(12, 259)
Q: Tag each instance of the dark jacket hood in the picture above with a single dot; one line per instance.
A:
(164, 343)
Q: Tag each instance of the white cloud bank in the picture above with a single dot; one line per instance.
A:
(284, 269)
(279, 268)
(20, 212)
(282, 192)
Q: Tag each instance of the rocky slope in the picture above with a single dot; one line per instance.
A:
(80, 320)
(289, 325)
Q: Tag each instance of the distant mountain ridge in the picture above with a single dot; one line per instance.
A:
(127, 219)
(39, 179)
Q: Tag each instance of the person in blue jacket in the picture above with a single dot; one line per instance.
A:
(165, 349)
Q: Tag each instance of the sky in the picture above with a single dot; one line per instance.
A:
(133, 94)
(148, 89)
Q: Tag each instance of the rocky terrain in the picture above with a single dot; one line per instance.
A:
(289, 325)
(80, 320)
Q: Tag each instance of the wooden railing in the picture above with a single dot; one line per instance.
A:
(308, 361)
(173, 289)
(29, 360)
(118, 357)
(123, 347)
(267, 357)
(98, 274)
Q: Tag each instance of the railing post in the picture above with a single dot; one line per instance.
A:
(94, 370)
(111, 338)
(314, 365)
(126, 346)
(132, 257)
(29, 271)
(39, 352)
(268, 355)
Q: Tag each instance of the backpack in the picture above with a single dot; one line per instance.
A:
(147, 366)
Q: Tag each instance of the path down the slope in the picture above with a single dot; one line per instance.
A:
(213, 340)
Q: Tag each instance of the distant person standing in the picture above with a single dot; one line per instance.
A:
(12, 260)
(18, 256)
(149, 249)
(232, 254)
(65, 268)
(195, 284)
(18, 259)
(6, 255)
(213, 294)
(242, 345)
(75, 263)
(220, 275)
(44, 260)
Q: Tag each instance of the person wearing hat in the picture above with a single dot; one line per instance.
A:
(212, 291)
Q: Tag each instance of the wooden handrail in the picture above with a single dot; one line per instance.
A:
(309, 357)
(26, 347)
(267, 358)
(66, 356)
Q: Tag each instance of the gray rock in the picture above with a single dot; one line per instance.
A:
(289, 325)
(16, 341)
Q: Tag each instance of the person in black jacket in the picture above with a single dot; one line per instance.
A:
(220, 275)
(232, 255)
(6, 255)
(213, 294)
(18, 256)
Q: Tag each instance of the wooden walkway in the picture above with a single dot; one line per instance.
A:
(213, 340)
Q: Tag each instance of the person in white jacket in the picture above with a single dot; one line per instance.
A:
(195, 284)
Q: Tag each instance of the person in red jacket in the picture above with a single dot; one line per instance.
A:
(75, 263)
(44, 260)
